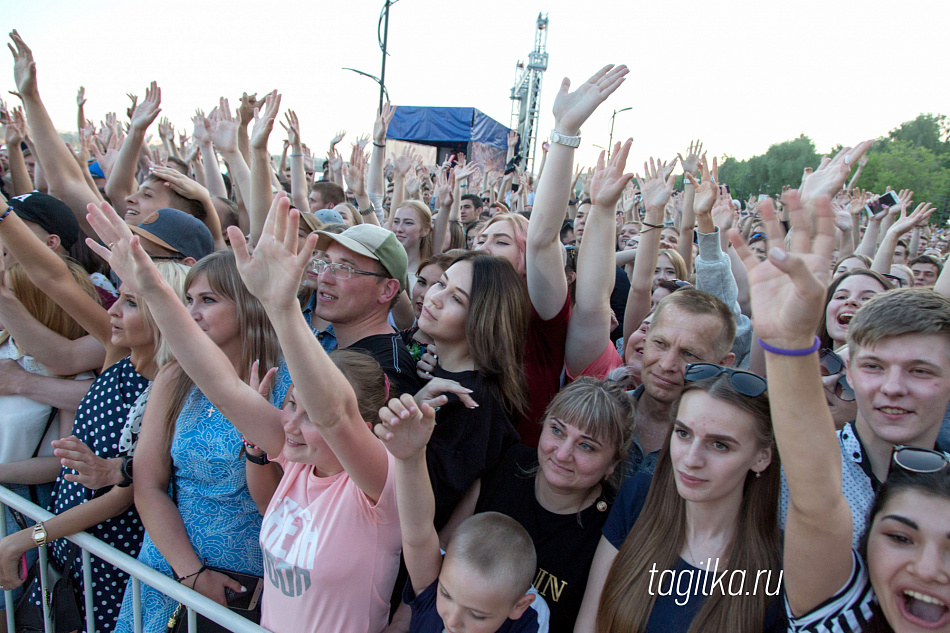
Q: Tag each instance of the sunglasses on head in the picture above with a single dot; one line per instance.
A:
(745, 382)
(919, 460)
(897, 281)
(833, 364)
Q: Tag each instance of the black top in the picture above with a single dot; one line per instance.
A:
(394, 357)
(466, 443)
(565, 543)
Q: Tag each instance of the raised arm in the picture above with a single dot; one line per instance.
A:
(122, 183)
(904, 223)
(787, 298)
(214, 181)
(405, 429)
(224, 136)
(444, 197)
(62, 174)
(197, 354)
(261, 195)
(588, 333)
(51, 275)
(547, 284)
(273, 274)
(656, 192)
(375, 181)
(14, 132)
(688, 220)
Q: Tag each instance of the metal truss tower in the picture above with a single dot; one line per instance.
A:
(526, 94)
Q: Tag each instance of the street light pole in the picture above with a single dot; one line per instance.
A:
(610, 143)
(382, 73)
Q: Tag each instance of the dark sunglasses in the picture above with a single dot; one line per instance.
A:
(745, 382)
(833, 364)
(919, 460)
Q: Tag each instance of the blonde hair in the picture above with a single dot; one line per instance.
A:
(39, 304)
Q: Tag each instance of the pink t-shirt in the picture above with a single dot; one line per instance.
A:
(601, 366)
(330, 556)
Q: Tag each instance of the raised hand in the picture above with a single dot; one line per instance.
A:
(654, 189)
(403, 162)
(145, 114)
(788, 288)
(246, 108)
(572, 109)
(512, 139)
(691, 162)
(382, 123)
(444, 189)
(354, 173)
(130, 111)
(24, 68)
(14, 127)
(224, 129)
(264, 121)
(202, 132)
(832, 174)
(122, 252)
(905, 223)
(609, 181)
(336, 139)
(404, 427)
(274, 271)
(81, 97)
(292, 128)
(707, 192)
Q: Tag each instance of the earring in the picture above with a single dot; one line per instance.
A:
(758, 474)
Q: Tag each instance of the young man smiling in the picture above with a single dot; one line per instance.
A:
(899, 367)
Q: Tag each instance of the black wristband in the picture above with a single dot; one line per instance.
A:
(379, 144)
(126, 471)
(260, 460)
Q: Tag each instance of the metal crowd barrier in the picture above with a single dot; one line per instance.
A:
(138, 572)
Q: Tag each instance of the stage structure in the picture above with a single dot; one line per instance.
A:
(526, 94)
(452, 130)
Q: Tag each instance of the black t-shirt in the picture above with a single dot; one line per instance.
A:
(394, 357)
(565, 543)
(426, 619)
(466, 443)
(676, 606)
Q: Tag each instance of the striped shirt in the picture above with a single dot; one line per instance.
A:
(848, 611)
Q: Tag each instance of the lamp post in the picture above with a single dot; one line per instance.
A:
(383, 42)
(610, 143)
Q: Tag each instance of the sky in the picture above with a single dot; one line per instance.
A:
(740, 75)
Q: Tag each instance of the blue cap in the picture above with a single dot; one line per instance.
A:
(176, 231)
(96, 170)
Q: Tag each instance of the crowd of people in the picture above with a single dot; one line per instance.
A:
(398, 396)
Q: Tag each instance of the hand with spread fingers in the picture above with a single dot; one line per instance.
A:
(788, 288)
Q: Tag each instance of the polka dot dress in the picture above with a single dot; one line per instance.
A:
(99, 421)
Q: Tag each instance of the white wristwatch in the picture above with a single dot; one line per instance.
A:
(563, 139)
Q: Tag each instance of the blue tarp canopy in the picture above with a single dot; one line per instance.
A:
(443, 126)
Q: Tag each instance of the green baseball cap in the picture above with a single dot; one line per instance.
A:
(374, 242)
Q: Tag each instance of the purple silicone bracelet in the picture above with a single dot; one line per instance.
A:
(791, 352)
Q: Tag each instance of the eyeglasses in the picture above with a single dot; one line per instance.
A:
(166, 258)
(745, 382)
(919, 460)
(833, 364)
(897, 281)
(340, 271)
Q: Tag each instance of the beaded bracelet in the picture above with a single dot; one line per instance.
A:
(5, 214)
(791, 352)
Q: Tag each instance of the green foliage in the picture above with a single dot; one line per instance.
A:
(915, 155)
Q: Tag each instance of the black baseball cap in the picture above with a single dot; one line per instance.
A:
(52, 214)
